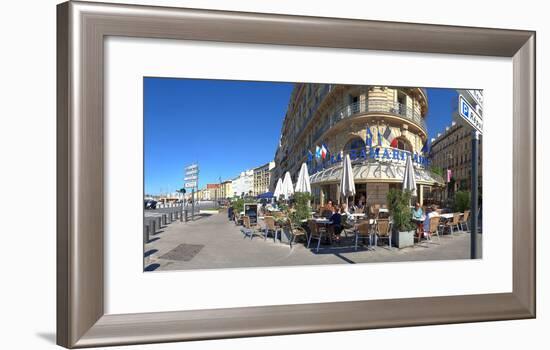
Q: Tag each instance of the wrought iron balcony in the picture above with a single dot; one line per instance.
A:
(369, 107)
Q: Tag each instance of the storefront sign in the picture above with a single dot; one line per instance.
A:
(378, 153)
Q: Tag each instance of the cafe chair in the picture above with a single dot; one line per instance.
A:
(383, 231)
(347, 225)
(270, 227)
(248, 229)
(453, 223)
(464, 221)
(315, 232)
(363, 231)
(294, 232)
(434, 227)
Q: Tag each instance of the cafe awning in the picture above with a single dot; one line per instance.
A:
(376, 172)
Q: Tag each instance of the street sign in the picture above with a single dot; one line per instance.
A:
(477, 96)
(469, 114)
(191, 176)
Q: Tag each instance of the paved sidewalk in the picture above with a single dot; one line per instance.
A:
(212, 242)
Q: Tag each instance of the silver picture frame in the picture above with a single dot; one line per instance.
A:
(81, 30)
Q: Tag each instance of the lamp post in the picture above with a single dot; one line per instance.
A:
(449, 165)
(474, 199)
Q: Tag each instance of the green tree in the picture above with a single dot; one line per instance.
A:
(302, 207)
(436, 170)
(462, 201)
(238, 205)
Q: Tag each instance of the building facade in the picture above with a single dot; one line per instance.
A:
(243, 184)
(226, 189)
(262, 178)
(377, 126)
(451, 151)
(214, 192)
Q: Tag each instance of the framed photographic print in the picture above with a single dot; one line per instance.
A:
(320, 172)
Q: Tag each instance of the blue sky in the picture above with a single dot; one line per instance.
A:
(226, 126)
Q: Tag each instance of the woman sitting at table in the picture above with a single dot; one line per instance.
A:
(418, 218)
(348, 220)
(336, 225)
(328, 210)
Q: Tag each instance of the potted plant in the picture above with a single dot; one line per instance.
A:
(403, 227)
(300, 210)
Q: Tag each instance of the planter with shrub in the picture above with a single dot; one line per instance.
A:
(403, 228)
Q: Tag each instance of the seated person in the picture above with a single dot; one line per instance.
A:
(418, 218)
(430, 213)
(336, 225)
(349, 219)
(328, 210)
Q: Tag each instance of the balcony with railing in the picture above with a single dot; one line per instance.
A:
(370, 107)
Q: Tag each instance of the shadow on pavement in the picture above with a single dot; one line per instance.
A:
(150, 252)
(153, 239)
(151, 267)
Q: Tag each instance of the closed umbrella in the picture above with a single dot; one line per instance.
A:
(278, 189)
(303, 184)
(347, 183)
(409, 182)
(287, 188)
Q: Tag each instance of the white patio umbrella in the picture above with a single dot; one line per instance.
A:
(287, 189)
(409, 182)
(347, 183)
(278, 189)
(303, 184)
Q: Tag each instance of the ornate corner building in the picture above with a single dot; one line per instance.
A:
(377, 126)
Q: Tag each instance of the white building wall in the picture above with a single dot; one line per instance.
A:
(243, 183)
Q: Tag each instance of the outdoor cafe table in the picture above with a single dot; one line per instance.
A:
(447, 216)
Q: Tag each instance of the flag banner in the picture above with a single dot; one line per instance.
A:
(368, 140)
(388, 135)
(426, 147)
(317, 152)
(324, 151)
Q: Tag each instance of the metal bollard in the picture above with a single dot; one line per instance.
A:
(153, 228)
(145, 234)
(159, 223)
(164, 221)
(186, 217)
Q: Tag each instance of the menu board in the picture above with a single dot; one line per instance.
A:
(251, 210)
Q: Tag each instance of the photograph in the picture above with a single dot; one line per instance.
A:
(263, 174)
